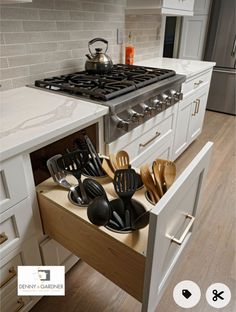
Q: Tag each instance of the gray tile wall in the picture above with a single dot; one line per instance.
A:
(145, 33)
(49, 37)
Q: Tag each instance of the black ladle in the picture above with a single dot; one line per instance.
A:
(99, 211)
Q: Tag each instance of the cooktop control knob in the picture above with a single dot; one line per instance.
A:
(168, 100)
(120, 123)
(135, 116)
(157, 104)
(147, 110)
(179, 96)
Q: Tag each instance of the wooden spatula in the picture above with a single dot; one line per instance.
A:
(149, 183)
(160, 163)
(169, 173)
(113, 162)
(122, 160)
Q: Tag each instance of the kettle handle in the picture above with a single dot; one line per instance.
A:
(96, 40)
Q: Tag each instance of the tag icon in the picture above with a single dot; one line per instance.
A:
(186, 293)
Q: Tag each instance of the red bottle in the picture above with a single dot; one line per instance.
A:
(129, 52)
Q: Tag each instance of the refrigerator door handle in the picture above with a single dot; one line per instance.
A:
(234, 47)
(224, 71)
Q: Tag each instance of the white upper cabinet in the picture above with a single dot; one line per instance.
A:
(201, 7)
(167, 7)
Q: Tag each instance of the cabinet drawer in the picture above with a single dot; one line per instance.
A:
(14, 303)
(141, 262)
(16, 225)
(12, 182)
(196, 82)
(26, 254)
(186, 5)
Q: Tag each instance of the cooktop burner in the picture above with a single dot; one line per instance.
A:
(121, 80)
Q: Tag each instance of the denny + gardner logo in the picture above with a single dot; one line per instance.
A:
(41, 281)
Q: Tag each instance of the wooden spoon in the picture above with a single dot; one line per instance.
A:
(160, 163)
(149, 183)
(106, 167)
(122, 160)
(169, 173)
(157, 178)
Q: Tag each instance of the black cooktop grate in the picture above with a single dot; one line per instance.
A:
(121, 80)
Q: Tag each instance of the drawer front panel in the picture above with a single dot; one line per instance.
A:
(15, 303)
(9, 270)
(16, 225)
(170, 228)
(12, 183)
(186, 5)
(196, 83)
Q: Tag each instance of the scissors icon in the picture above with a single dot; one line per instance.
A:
(217, 295)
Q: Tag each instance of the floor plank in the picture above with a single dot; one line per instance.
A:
(210, 256)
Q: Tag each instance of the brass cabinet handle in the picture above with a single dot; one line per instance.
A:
(195, 108)
(3, 238)
(198, 105)
(12, 273)
(196, 84)
(152, 139)
(181, 239)
(21, 304)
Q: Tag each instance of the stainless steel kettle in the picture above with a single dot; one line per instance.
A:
(100, 62)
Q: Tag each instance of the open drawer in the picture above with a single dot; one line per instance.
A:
(141, 262)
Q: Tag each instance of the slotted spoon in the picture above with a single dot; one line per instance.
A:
(74, 162)
(122, 160)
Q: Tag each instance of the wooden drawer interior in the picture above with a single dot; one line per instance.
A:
(119, 257)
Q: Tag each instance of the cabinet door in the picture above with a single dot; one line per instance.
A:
(197, 114)
(182, 127)
(192, 37)
(170, 227)
(201, 7)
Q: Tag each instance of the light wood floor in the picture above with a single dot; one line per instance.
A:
(210, 256)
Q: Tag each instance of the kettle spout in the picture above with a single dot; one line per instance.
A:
(89, 56)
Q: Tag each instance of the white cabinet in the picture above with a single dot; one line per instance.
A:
(191, 112)
(197, 114)
(193, 37)
(167, 7)
(140, 263)
(193, 32)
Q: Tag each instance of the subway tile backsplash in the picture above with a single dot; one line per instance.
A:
(50, 37)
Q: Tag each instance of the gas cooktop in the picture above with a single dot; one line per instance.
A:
(121, 80)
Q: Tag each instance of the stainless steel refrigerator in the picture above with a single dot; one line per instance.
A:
(221, 48)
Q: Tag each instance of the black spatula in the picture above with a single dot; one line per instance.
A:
(74, 162)
(125, 184)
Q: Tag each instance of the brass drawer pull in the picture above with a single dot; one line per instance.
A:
(196, 84)
(3, 238)
(198, 105)
(195, 108)
(12, 273)
(152, 139)
(181, 239)
(21, 304)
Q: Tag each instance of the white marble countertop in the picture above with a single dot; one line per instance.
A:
(184, 67)
(31, 118)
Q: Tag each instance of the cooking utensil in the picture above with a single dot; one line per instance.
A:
(169, 173)
(122, 160)
(59, 176)
(155, 169)
(125, 184)
(149, 183)
(94, 189)
(160, 163)
(94, 156)
(112, 159)
(99, 211)
(106, 167)
(74, 162)
(100, 62)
